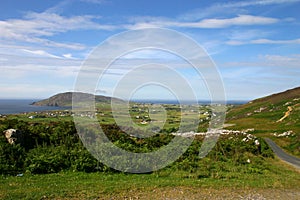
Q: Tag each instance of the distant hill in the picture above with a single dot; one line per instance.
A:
(65, 99)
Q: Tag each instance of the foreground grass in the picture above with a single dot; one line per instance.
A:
(75, 185)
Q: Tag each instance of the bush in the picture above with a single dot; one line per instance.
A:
(44, 159)
(11, 157)
(82, 160)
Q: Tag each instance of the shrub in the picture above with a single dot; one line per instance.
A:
(44, 159)
(11, 157)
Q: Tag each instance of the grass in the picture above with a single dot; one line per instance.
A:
(75, 185)
(40, 118)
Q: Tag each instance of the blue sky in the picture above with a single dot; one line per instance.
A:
(254, 44)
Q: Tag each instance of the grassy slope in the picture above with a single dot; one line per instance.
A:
(263, 115)
(279, 182)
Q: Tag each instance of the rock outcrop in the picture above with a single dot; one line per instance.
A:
(13, 136)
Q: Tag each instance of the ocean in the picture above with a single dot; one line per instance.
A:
(15, 106)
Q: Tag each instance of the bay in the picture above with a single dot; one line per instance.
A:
(16, 106)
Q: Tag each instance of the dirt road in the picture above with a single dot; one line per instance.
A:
(287, 113)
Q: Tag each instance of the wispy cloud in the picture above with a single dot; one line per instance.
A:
(282, 61)
(68, 55)
(267, 41)
(40, 53)
(35, 26)
(275, 71)
(258, 2)
(263, 41)
(62, 5)
(24, 61)
(240, 20)
(270, 60)
(268, 2)
(21, 90)
(229, 8)
(237, 37)
(95, 1)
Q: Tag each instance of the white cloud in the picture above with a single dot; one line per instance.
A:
(258, 3)
(240, 20)
(240, 37)
(282, 61)
(229, 8)
(277, 72)
(94, 1)
(22, 90)
(262, 41)
(274, 61)
(268, 2)
(68, 55)
(24, 55)
(267, 41)
(35, 26)
(24, 62)
(40, 53)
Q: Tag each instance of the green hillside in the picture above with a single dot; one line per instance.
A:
(276, 116)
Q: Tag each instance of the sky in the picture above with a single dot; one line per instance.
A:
(254, 45)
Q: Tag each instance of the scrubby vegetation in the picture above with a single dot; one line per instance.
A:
(55, 146)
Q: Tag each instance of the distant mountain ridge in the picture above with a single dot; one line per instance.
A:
(65, 99)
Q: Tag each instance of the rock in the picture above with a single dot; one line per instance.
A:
(13, 135)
